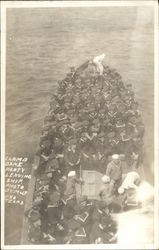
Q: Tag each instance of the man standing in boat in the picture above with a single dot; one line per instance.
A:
(98, 62)
(114, 171)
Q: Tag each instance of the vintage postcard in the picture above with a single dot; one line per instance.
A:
(79, 165)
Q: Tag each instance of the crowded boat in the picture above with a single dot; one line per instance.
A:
(93, 123)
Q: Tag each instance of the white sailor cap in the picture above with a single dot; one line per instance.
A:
(115, 157)
(105, 179)
(120, 190)
(63, 178)
(71, 173)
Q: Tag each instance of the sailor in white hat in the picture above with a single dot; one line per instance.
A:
(132, 180)
(121, 190)
(106, 190)
(72, 174)
(71, 184)
(105, 179)
(115, 156)
(114, 171)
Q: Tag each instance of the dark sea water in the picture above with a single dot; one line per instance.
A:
(43, 43)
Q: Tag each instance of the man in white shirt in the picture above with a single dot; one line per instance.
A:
(132, 180)
(98, 62)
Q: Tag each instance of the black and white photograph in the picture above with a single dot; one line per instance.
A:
(79, 125)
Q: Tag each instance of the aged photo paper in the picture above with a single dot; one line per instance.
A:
(79, 125)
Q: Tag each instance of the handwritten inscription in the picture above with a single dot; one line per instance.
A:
(16, 180)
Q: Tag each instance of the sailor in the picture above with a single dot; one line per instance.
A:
(54, 178)
(49, 236)
(106, 190)
(114, 171)
(114, 91)
(67, 132)
(116, 100)
(45, 148)
(72, 114)
(101, 151)
(34, 218)
(107, 98)
(54, 104)
(104, 125)
(52, 165)
(102, 114)
(91, 136)
(43, 208)
(83, 115)
(34, 212)
(92, 114)
(95, 127)
(121, 108)
(78, 128)
(126, 145)
(75, 225)
(80, 236)
(134, 106)
(50, 116)
(110, 127)
(140, 129)
(73, 71)
(61, 98)
(78, 82)
(98, 62)
(76, 102)
(102, 232)
(120, 125)
(53, 208)
(61, 229)
(46, 176)
(68, 210)
(69, 237)
(52, 131)
(85, 204)
(45, 133)
(83, 213)
(67, 105)
(72, 122)
(131, 126)
(132, 180)
(58, 145)
(90, 71)
(83, 140)
(110, 136)
(34, 232)
(62, 184)
(70, 192)
(112, 113)
(61, 116)
(98, 211)
(72, 156)
(116, 143)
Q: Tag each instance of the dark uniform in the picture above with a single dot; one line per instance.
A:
(72, 159)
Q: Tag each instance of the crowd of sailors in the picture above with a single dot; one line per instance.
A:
(93, 123)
